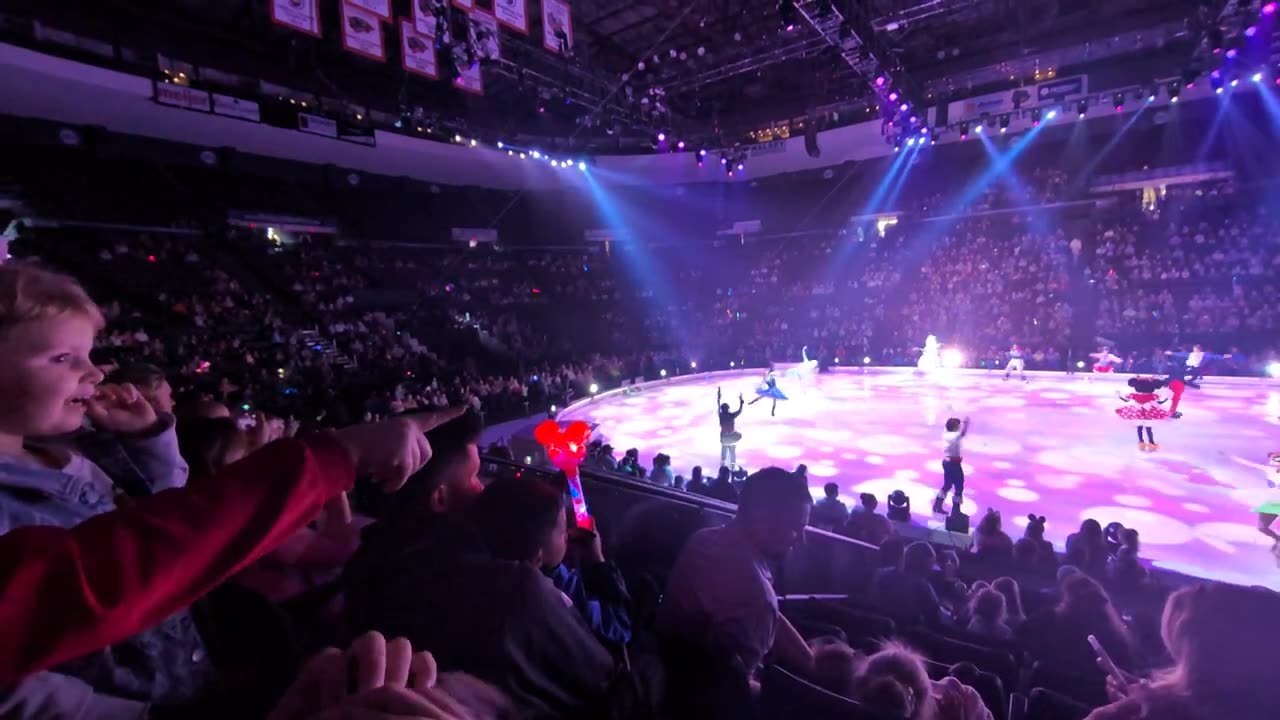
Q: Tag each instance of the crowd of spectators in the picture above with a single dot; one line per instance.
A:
(186, 449)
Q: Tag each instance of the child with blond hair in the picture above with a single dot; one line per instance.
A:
(48, 387)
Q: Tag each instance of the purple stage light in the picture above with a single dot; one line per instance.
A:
(724, 161)
(880, 81)
(893, 96)
(662, 137)
(904, 107)
(680, 145)
(740, 166)
(1251, 31)
(1269, 9)
(1232, 53)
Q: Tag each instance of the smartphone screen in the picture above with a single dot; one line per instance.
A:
(1107, 662)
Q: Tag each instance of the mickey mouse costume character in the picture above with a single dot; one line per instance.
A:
(1143, 407)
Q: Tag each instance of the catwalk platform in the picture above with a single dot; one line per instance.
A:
(1052, 446)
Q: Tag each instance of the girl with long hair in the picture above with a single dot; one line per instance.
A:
(1222, 639)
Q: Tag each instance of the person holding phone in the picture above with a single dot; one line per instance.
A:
(1221, 638)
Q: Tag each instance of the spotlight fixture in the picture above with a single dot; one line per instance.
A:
(899, 507)
(881, 80)
(582, 166)
(1257, 77)
(702, 153)
(536, 155)
(1035, 117)
(978, 127)
(1051, 115)
(1269, 9)
(500, 146)
(893, 96)
(1152, 92)
(897, 144)
(964, 130)
(662, 137)
(1175, 89)
(904, 107)
(1235, 82)
(1215, 81)
(1082, 107)
(1004, 122)
(680, 145)
(911, 141)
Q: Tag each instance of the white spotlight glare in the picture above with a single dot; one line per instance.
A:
(582, 166)
(536, 155)
(1079, 364)
(952, 358)
(693, 365)
(1257, 77)
(663, 372)
(1051, 115)
(1235, 82)
(1274, 369)
(500, 145)
(866, 360)
(594, 388)
(473, 143)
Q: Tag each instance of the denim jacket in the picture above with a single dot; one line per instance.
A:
(165, 664)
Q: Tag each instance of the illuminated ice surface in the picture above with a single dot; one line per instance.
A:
(1053, 446)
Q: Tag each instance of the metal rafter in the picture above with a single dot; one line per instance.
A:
(854, 38)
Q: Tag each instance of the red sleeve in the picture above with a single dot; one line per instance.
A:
(65, 592)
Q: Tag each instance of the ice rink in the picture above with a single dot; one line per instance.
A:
(1052, 446)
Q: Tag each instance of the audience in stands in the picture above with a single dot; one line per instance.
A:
(1008, 587)
(990, 541)
(988, 615)
(866, 524)
(1220, 662)
(829, 513)
(904, 591)
(1087, 549)
(720, 596)
(1085, 609)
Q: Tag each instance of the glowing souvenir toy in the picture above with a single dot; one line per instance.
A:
(567, 448)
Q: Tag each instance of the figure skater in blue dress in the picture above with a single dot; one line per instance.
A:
(769, 389)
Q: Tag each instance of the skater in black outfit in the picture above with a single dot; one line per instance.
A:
(952, 467)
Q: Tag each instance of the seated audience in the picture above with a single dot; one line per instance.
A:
(1087, 549)
(1221, 660)
(501, 618)
(1125, 570)
(990, 541)
(1008, 587)
(720, 593)
(696, 484)
(829, 513)
(866, 524)
(904, 591)
(988, 615)
(1085, 609)
(722, 487)
(894, 682)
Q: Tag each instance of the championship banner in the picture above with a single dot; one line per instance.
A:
(424, 19)
(317, 125)
(469, 79)
(484, 28)
(300, 15)
(556, 20)
(513, 13)
(236, 108)
(991, 103)
(418, 51)
(381, 8)
(181, 96)
(362, 32)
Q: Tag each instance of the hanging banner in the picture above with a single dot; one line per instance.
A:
(970, 108)
(362, 32)
(300, 15)
(1062, 90)
(557, 26)
(236, 108)
(513, 13)
(469, 79)
(424, 19)
(181, 96)
(316, 125)
(484, 28)
(418, 51)
(381, 8)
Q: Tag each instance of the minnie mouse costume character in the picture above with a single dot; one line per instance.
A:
(1145, 409)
